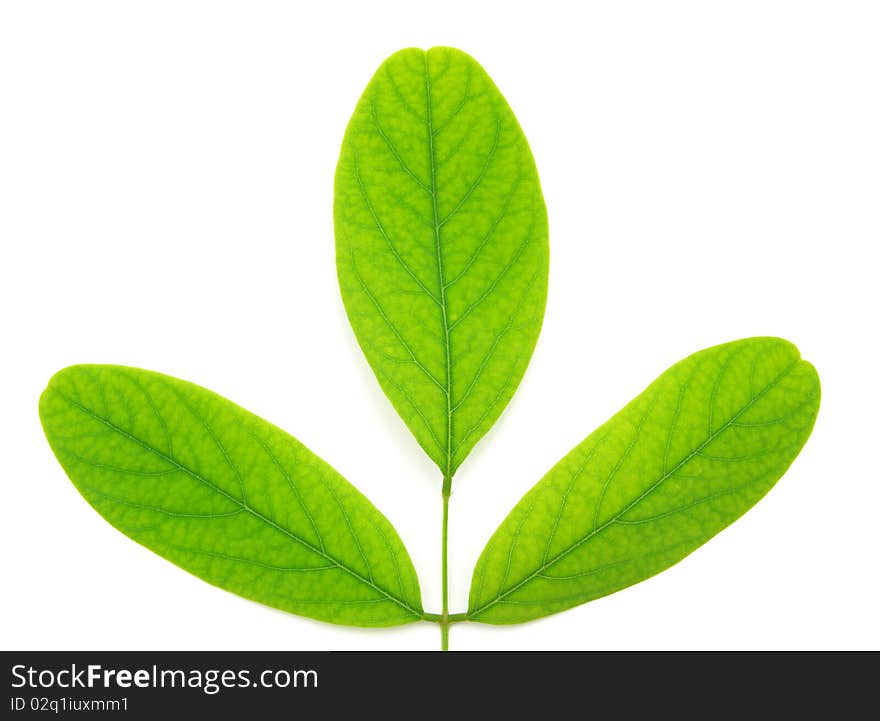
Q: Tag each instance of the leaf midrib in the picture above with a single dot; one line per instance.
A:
(443, 306)
(577, 544)
(243, 505)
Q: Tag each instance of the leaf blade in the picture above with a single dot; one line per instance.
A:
(227, 496)
(698, 448)
(441, 237)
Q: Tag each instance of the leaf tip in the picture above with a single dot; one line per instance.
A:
(50, 390)
(809, 369)
(62, 385)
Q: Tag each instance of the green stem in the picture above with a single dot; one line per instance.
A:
(438, 618)
(444, 616)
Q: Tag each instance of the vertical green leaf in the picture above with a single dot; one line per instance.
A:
(227, 496)
(441, 241)
(698, 448)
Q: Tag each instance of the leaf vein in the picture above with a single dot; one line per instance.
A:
(403, 264)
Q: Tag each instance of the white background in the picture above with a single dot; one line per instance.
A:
(711, 171)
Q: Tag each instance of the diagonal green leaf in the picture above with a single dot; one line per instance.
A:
(441, 243)
(698, 448)
(227, 496)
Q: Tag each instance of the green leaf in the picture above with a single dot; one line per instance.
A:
(441, 245)
(227, 496)
(698, 448)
